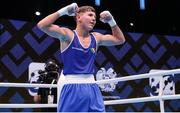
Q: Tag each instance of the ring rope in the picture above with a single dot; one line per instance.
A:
(139, 76)
(28, 85)
(126, 78)
(142, 99)
(109, 102)
(28, 105)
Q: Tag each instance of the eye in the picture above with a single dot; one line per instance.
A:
(90, 14)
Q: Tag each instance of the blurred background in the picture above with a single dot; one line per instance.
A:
(147, 16)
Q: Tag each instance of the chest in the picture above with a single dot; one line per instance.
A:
(85, 42)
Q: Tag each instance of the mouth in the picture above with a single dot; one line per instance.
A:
(92, 23)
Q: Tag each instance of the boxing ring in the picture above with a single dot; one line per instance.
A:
(161, 98)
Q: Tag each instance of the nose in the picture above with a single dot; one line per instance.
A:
(94, 19)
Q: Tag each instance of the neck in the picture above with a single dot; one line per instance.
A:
(82, 32)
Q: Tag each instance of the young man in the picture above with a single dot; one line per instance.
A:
(78, 50)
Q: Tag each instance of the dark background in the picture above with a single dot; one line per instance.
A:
(159, 17)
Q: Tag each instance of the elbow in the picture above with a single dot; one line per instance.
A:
(40, 25)
(121, 41)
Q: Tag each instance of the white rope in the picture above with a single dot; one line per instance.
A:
(142, 99)
(28, 105)
(139, 76)
(132, 77)
(109, 102)
(27, 85)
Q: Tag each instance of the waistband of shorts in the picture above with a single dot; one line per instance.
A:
(79, 79)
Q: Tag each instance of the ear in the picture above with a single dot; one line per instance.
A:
(77, 16)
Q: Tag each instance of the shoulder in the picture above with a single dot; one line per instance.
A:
(67, 34)
(97, 36)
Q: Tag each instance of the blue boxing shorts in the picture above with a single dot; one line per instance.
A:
(80, 94)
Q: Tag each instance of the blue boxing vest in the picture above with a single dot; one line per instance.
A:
(77, 59)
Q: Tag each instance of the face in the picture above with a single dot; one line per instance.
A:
(87, 20)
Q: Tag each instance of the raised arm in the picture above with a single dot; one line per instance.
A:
(116, 38)
(47, 26)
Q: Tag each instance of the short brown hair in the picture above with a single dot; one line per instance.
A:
(83, 9)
